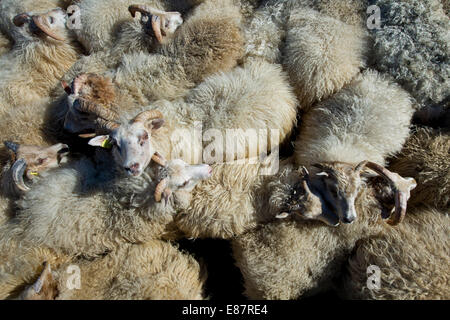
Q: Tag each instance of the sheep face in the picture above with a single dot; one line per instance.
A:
(131, 144)
(178, 176)
(338, 184)
(90, 104)
(159, 24)
(32, 161)
(51, 25)
(306, 203)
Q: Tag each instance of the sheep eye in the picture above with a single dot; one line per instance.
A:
(52, 20)
(185, 183)
(143, 139)
(41, 161)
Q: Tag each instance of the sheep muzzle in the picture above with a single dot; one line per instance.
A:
(42, 23)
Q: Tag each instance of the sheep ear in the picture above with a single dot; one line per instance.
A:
(100, 141)
(66, 87)
(157, 123)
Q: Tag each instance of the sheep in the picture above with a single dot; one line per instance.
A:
(95, 35)
(255, 97)
(319, 64)
(413, 260)
(102, 21)
(294, 34)
(311, 253)
(33, 67)
(357, 124)
(205, 44)
(414, 37)
(208, 41)
(155, 270)
(240, 197)
(265, 32)
(105, 208)
(425, 157)
(11, 8)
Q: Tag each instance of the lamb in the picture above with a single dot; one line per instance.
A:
(413, 38)
(425, 157)
(319, 64)
(311, 253)
(155, 270)
(413, 260)
(255, 97)
(357, 124)
(40, 56)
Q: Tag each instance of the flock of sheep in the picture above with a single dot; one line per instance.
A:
(98, 179)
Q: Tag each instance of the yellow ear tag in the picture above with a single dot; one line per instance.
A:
(106, 144)
(34, 173)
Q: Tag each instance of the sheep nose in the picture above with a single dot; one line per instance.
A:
(133, 169)
(348, 220)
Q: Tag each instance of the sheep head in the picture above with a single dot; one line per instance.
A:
(131, 143)
(304, 203)
(338, 185)
(91, 105)
(45, 287)
(180, 177)
(30, 161)
(51, 24)
(157, 23)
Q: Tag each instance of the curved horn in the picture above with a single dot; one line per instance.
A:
(360, 166)
(156, 26)
(141, 8)
(402, 188)
(18, 169)
(160, 189)
(14, 147)
(41, 22)
(159, 159)
(97, 109)
(147, 116)
(20, 19)
(107, 125)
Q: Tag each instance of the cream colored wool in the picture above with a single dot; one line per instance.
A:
(367, 120)
(322, 54)
(413, 258)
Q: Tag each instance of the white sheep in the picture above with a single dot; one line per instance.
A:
(255, 97)
(322, 54)
(293, 259)
(368, 120)
(42, 53)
